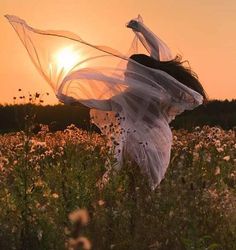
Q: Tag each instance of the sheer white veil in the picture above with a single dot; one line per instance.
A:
(130, 103)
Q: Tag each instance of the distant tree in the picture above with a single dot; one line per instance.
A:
(58, 117)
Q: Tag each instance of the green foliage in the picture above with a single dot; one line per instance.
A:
(214, 113)
(45, 177)
(58, 117)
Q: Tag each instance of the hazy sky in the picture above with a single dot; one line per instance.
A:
(202, 31)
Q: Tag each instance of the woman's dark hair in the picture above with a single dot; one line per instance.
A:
(174, 68)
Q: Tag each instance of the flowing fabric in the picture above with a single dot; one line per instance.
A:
(130, 103)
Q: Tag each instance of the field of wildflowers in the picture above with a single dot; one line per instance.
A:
(53, 194)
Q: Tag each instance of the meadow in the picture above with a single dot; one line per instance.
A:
(54, 194)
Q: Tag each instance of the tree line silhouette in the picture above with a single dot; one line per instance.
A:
(58, 117)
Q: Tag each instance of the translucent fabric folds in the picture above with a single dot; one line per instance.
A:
(153, 44)
(130, 103)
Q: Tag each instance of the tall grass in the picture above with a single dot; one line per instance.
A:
(47, 176)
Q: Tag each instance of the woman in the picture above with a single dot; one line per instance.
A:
(132, 97)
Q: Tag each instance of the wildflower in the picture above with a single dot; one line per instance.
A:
(101, 202)
(198, 146)
(119, 189)
(220, 149)
(226, 158)
(4, 160)
(40, 234)
(217, 171)
(72, 243)
(39, 143)
(79, 215)
(80, 242)
(171, 213)
(208, 159)
(38, 183)
(195, 156)
(182, 156)
(213, 193)
(85, 243)
(55, 195)
(66, 231)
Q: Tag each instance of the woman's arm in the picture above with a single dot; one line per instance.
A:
(148, 35)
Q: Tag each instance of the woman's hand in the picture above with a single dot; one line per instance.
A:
(134, 25)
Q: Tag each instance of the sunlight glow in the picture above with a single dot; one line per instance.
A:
(67, 58)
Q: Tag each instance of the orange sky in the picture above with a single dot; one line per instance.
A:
(202, 31)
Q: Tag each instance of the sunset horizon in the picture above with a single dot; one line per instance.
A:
(201, 33)
(117, 124)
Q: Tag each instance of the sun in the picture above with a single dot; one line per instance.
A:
(66, 58)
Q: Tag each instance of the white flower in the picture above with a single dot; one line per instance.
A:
(101, 202)
(55, 195)
(79, 215)
(75, 243)
(226, 158)
(220, 149)
(217, 171)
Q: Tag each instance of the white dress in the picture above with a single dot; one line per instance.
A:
(130, 103)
